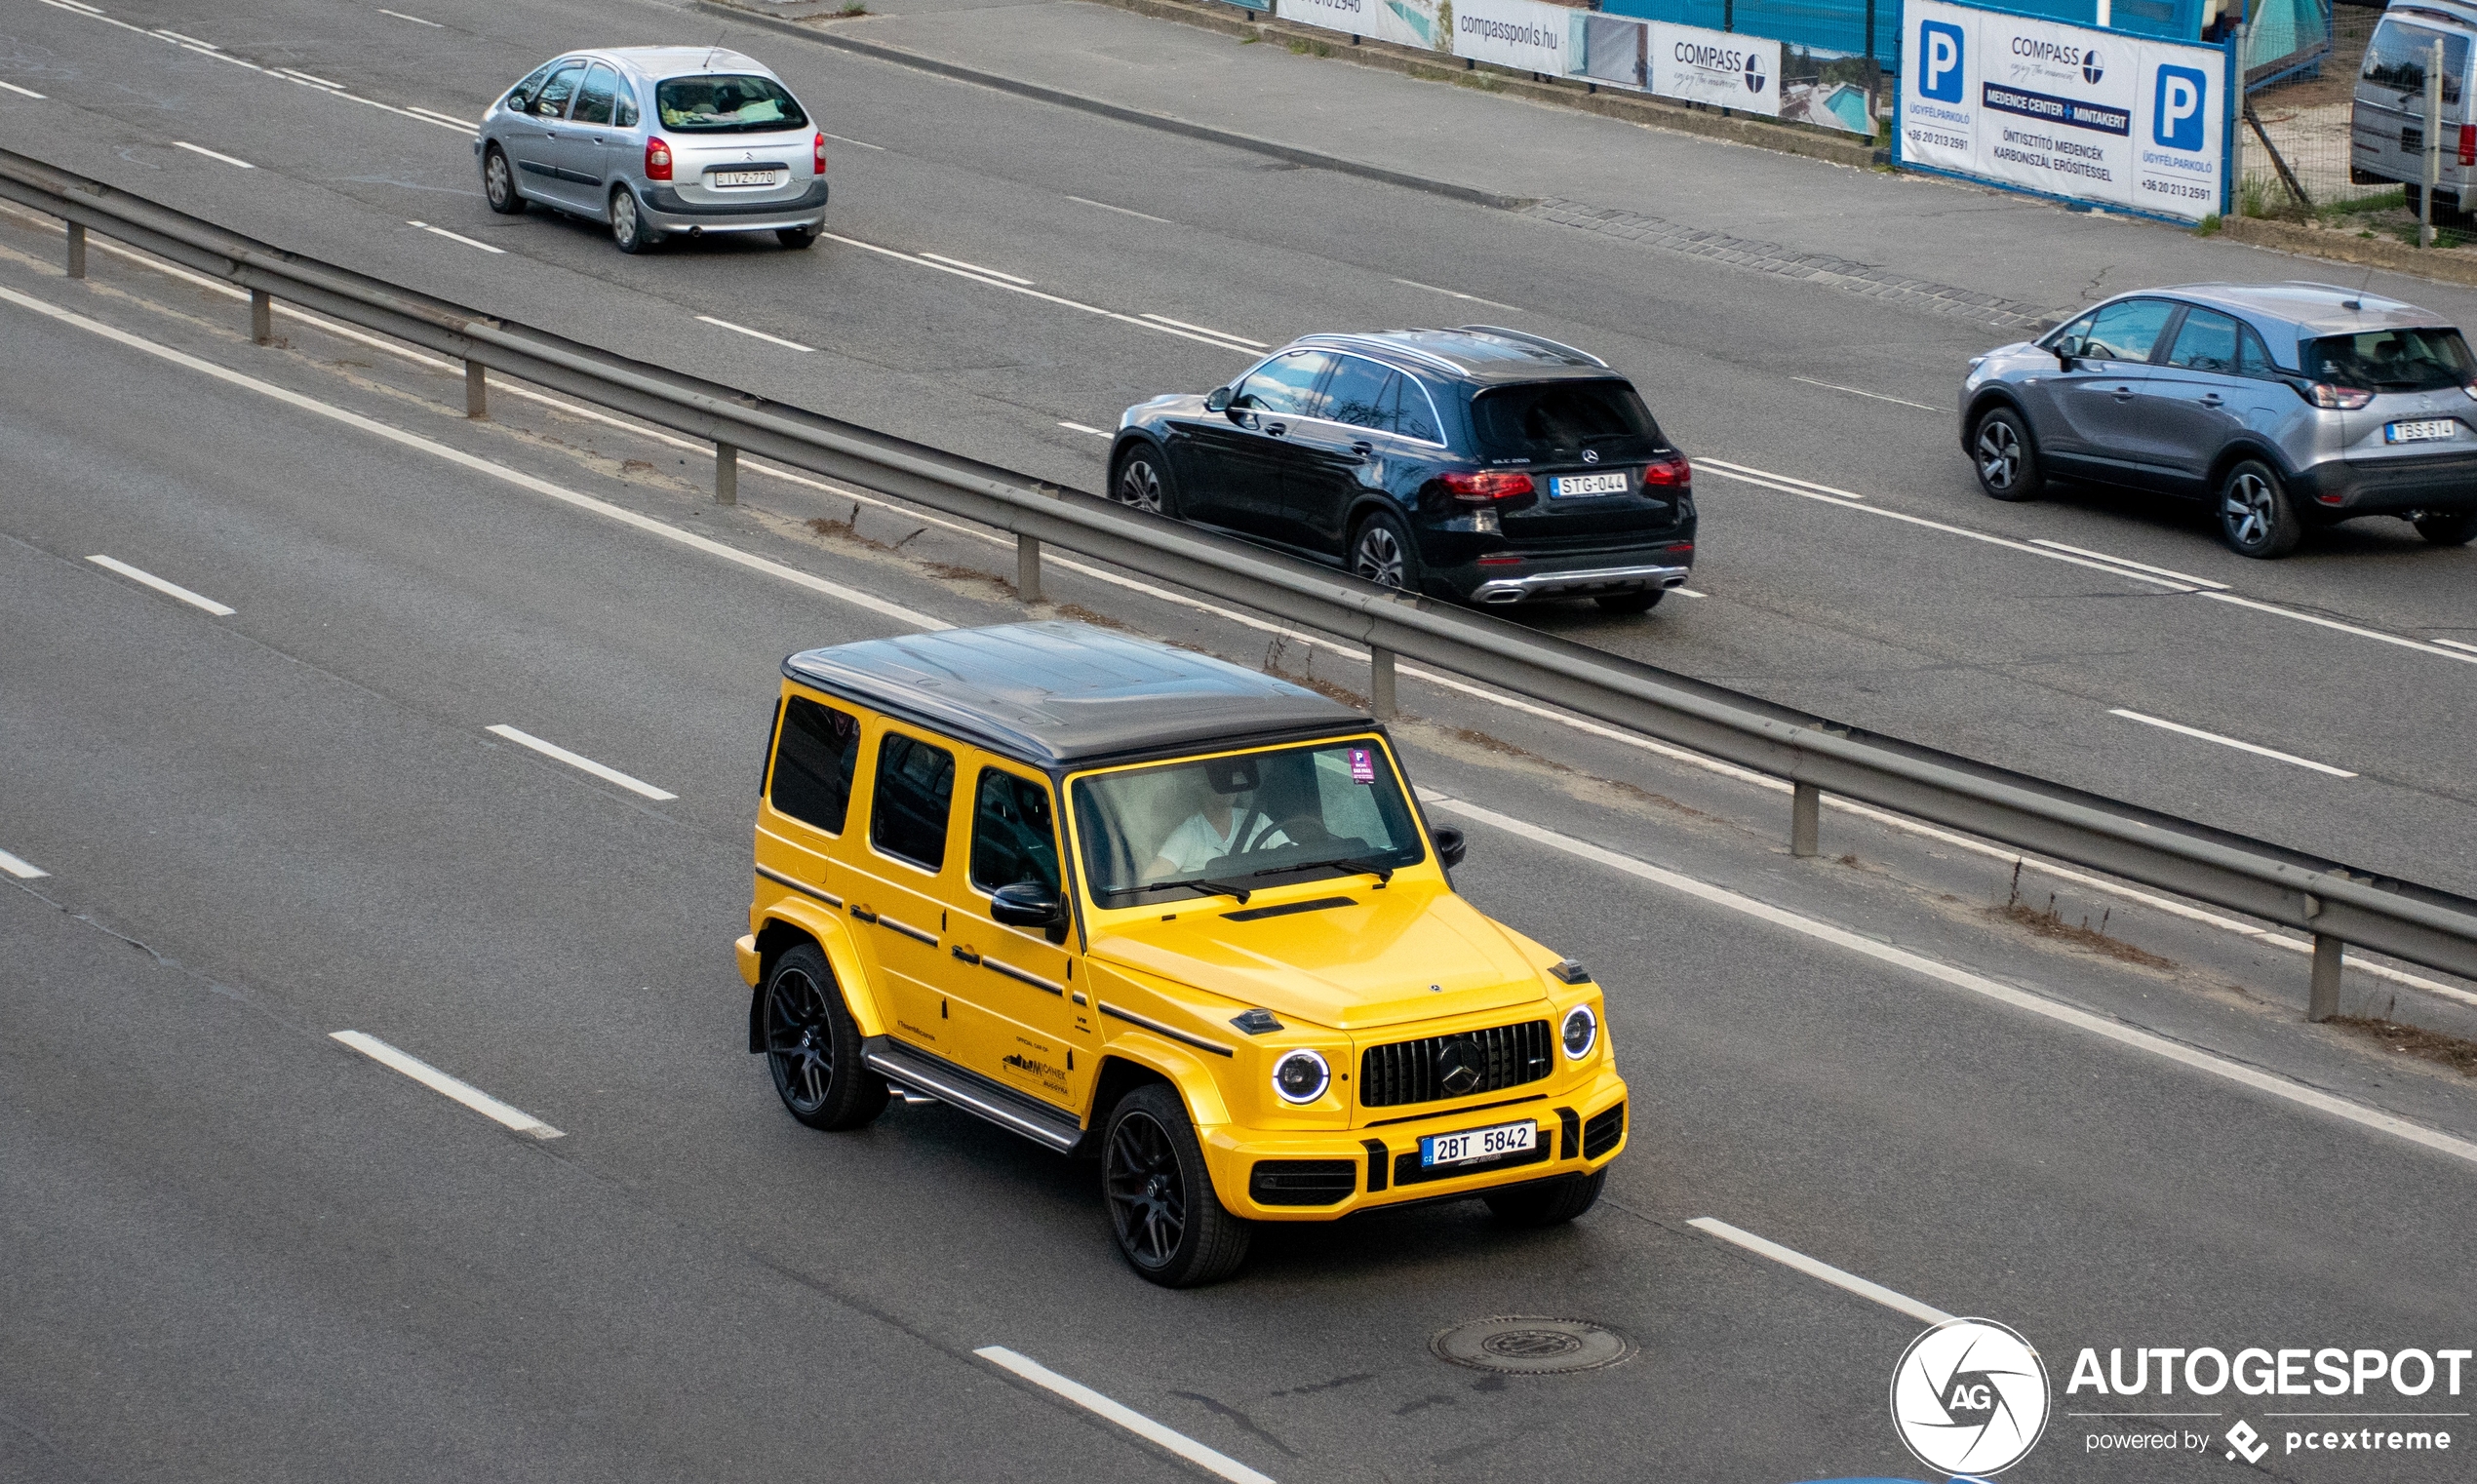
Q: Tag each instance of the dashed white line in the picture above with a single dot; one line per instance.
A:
(1785, 484)
(1687, 592)
(1085, 427)
(1456, 293)
(863, 144)
(980, 276)
(1834, 387)
(311, 78)
(416, 19)
(1219, 1465)
(1206, 329)
(201, 149)
(21, 868)
(192, 41)
(1976, 984)
(75, 5)
(581, 762)
(1121, 211)
(456, 237)
(2139, 566)
(168, 589)
(2255, 749)
(434, 116)
(453, 1089)
(806, 350)
(1813, 1268)
(977, 268)
(21, 92)
(2458, 644)
(2320, 622)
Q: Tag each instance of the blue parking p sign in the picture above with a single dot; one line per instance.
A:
(2176, 114)
(1940, 48)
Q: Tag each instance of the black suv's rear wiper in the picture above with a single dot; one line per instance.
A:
(1366, 865)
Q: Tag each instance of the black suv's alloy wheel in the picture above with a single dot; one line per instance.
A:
(1142, 483)
(1169, 1225)
(1382, 554)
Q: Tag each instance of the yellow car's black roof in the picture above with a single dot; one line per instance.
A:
(1060, 693)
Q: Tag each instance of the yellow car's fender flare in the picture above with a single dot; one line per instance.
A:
(792, 920)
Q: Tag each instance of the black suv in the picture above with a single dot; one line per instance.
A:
(1480, 464)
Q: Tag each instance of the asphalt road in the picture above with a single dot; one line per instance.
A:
(238, 1250)
(1890, 612)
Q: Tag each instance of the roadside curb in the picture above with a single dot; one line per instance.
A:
(2370, 253)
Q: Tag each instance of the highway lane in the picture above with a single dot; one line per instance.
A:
(300, 802)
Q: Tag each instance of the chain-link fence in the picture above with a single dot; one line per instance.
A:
(2297, 133)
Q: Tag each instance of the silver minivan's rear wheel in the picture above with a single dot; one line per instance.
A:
(2256, 517)
(499, 184)
(627, 224)
(2448, 529)
(2006, 459)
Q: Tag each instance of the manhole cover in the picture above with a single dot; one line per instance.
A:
(1518, 1346)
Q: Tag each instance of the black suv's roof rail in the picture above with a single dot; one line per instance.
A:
(1528, 338)
(1385, 347)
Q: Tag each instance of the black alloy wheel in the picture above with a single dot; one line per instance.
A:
(2256, 517)
(813, 1047)
(1170, 1225)
(798, 239)
(628, 231)
(2448, 529)
(2007, 460)
(1545, 1203)
(1143, 483)
(1381, 553)
(499, 184)
(1639, 602)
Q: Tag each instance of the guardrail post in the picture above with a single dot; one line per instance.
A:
(477, 393)
(725, 473)
(77, 250)
(1026, 568)
(1380, 683)
(1805, 819)
(261, 316)
(2324, 1001)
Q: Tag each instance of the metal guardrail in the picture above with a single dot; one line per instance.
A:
(2335, 905)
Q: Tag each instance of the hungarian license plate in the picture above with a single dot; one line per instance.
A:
(1474, 1144)
(729, 178)
(2418, 432)
(1566, 486)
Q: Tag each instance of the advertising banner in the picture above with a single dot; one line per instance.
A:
(1406, 23)
(2091, 115)
(1614, 51)
(1526, 35)
(1720, 68)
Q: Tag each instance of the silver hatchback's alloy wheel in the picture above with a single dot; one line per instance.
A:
(499, 184)
(1378, 555)
(2254, 514)
(1140, 485)
(1999, 453)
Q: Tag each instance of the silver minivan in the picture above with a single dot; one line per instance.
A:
(2386, 134)
(657, 142)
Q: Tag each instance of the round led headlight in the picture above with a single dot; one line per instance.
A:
(1580, 1033)
(1301, 1076)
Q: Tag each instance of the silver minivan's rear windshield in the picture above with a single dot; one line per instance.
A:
(1560, 419)
(2399, 53)
(727, 104)
(2392, 360)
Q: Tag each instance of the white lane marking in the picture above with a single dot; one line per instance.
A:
(1976, 984)
(440, 1082)
(1780, 482)
(2139, 566)
(2458, 644)
(1456, 293)
(22, 91)
(1688, 592)
(456, 237)
(863, 144)
(172, 35)
(1813, 1268)
(1121, 211)
(1206, 329)
(1217, 1463)
(978, 277)
(1084, 427)
(168, 589)
(2345, 628)
(976, 268)
(416, 19)
(435, 116)
(581, 762)
(201, 149)
(480, 465)
(311, 78)
(1834, 387)
(806, 350)
(2254, 748)
(21, 868)
(75, 5)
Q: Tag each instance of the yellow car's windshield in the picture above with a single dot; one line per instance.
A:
(1233, 824)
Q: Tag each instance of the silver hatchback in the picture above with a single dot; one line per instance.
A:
(2285, 406)
(657, 142)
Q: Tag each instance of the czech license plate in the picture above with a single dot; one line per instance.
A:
(729, 178)
(2418, 432)
(1474, 1144)
(1566, 486)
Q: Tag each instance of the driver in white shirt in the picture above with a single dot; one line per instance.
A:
(1222, 824)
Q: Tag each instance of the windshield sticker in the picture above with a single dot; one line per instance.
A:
(1362, 765)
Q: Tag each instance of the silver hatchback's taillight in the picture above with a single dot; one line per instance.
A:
(2346, 399)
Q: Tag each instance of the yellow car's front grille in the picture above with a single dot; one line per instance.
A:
(1454, 1066)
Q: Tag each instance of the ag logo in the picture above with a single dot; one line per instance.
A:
(2091, 71)
(1753, 73)
(1970, 1396)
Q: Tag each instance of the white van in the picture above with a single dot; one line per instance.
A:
(2388, 130)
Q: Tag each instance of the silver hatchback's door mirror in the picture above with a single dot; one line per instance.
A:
(2069, 350)
(1219, 401)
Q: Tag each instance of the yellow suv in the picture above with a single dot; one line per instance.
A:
(1139, 903)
